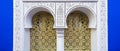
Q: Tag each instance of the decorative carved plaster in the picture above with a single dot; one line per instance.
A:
(60, 8)
(17, 26)
(91, 5)
(66, 6)
(103, 26)
(18, 19)
(29, 5)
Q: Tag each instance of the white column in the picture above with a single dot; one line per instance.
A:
(27, 39)
(60, 39)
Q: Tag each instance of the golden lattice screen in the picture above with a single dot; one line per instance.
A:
(77, 35)
(42, 35)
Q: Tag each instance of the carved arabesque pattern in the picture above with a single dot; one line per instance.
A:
(18, 29)
(42, 35)
(77, 35)
(30, 5)
(91, 5)
(103, 35)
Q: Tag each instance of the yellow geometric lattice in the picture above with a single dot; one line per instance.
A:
(77, 35)
(42, 35)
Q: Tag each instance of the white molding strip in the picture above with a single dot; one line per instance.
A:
(61, 0)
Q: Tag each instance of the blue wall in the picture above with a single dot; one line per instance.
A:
(6, 25)
(114, 25)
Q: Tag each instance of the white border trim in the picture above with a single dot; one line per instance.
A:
(101, 30)
(61, 0)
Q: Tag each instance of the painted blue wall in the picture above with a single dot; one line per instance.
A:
(114, 25)
(6, 25)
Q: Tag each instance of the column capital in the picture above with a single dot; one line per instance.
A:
(60, 32)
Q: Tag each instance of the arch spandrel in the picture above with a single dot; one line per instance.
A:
(29, 14)
(88, 11)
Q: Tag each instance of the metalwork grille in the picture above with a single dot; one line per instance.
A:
(77, 35)
(42, 35)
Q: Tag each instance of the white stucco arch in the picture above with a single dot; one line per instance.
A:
(88, 11)
(92, 22)
(28, 23)
(32, 11)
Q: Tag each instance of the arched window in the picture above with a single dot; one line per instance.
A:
(77, 35)
(42, 33)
